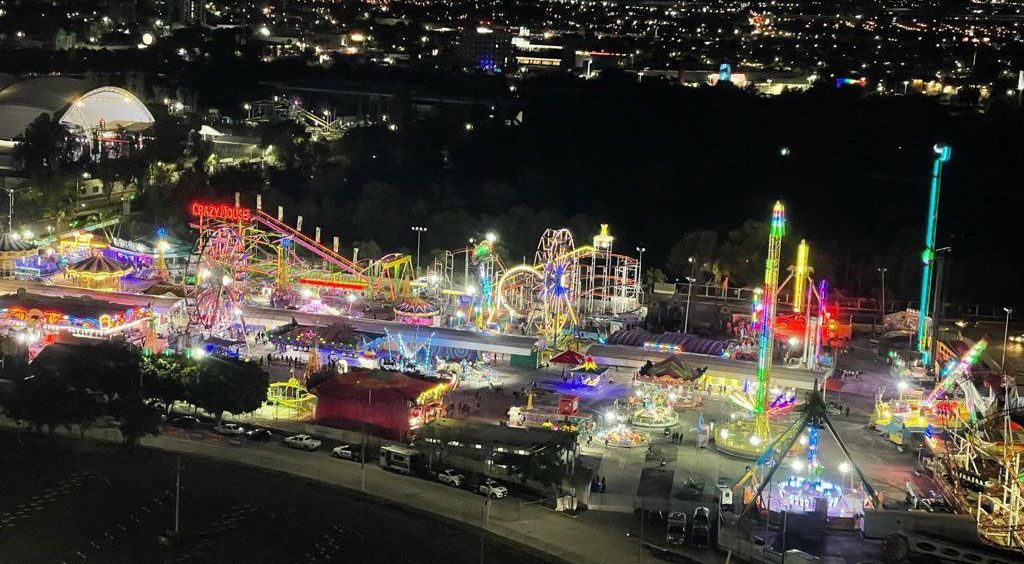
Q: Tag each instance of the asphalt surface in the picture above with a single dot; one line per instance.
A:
(70, 501)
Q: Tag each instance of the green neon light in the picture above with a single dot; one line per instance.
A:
(943, 153)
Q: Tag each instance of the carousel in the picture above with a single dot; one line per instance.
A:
(652, 406)
(97, 273)
(13, 249)
(623, 437)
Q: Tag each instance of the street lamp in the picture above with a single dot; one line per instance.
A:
(906, 83)
(1006, 332)
(419, 232)
(640, 264)
(689, 292)
(883, 271)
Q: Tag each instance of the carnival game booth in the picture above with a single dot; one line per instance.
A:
(40, 320)
(561, 416)
(78, 246)
(335, 339)
(97, 273)
(390, 404)
(13, 249)
(159, 257)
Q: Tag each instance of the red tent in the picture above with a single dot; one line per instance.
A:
(384, 400)
(572, 358)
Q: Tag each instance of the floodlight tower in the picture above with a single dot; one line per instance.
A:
(767, 344)
(942, 154)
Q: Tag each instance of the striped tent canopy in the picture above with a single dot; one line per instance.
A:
(99, 265)
(416, 307)
(11, 244)
(667, 341)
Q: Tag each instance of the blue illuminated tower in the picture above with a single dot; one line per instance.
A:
(942, 154)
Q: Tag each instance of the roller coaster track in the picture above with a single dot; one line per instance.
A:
(309, 244)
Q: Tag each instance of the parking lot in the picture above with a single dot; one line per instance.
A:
(82, 501)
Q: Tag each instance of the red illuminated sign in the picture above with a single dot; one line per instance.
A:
(333, 284)
(220, 211)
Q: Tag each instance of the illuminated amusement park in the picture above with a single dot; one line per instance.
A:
(492, 367)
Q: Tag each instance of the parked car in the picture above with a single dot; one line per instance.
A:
(232, 429)
(259, 435)
(701, 533)
(304, 442)
(676, 531)
(450, 477)
(347, 452)
(490, 488)
(184, 421)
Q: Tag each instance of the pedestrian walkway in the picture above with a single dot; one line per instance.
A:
(620, 468)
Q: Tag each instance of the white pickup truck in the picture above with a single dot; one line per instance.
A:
(450, 477)
(304, 442)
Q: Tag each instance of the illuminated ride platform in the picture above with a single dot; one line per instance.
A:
(802, 494)
(623, 437)
(806, 493)
(653, 407)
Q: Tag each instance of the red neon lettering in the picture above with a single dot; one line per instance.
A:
(333, 284)
(220, 211)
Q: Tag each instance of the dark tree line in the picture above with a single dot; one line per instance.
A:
(68, 386)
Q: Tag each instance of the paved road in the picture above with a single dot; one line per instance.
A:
(597, 540)
(85, 501)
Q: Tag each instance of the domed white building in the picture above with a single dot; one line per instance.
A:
(80, 107)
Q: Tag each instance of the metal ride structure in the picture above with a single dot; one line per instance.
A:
(246, 256)
(740, 436)
(814, 419)
(942, 155)
(567, 286)
(218, 267)
(766, 348)
(978, 464)
(475, 299)
(320, 126)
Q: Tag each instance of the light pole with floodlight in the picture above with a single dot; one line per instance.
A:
(419, 232)
(689, 294)
(1006, 332)
(640, 266)
(883, 271)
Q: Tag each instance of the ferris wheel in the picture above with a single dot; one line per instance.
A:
(215, 283)
(557, 265)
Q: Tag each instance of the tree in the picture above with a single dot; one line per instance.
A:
(232, 385)
(135, 419)
(168, 378)
(40, 147)
(36, 401)
(110, 367)
(701, 245)
(82, 408)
